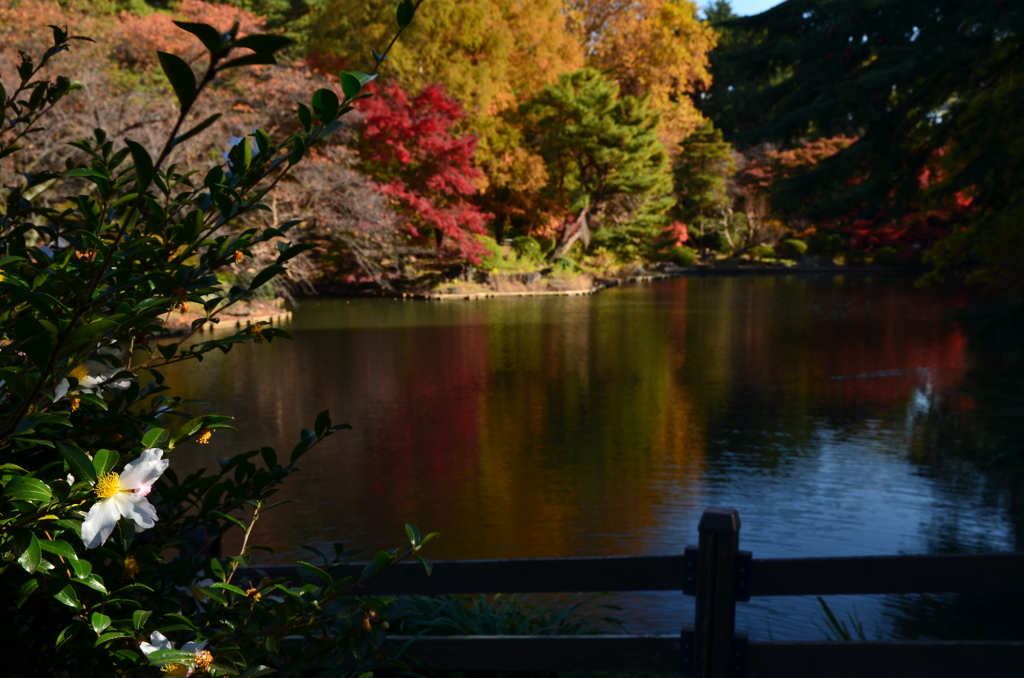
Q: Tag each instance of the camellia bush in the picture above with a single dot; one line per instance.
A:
(105, 550)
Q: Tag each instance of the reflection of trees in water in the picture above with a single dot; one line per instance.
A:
(971, 442)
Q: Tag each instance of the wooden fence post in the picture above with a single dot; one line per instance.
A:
(716, 593)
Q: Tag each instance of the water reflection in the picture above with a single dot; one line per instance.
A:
(604, 425)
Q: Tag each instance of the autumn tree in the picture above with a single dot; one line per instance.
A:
(606, 166)
(407, 145)
(655, 47)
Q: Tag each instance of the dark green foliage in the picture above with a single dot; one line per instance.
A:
(826, 244)
(923, 84)
(704, 165)
(761, 252)
(886, 256)
(527, 247)
(856, 257)
(604, 159)
(503, 615)
(683, 256)
(792, 248)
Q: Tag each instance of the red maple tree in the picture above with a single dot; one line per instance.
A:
(407, 145)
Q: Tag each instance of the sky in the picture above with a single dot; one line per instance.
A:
(743, 7)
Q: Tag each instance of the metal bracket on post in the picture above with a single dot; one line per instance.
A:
(690, 570)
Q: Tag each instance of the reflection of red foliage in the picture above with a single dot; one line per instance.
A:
(408, 147)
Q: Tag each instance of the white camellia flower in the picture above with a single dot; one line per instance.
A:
(157, 641)
(93, 375)
(124, 495)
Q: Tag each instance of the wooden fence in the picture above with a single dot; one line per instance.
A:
(719, 575)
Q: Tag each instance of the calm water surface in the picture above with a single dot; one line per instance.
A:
(604, 425)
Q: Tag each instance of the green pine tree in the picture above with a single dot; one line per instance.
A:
(702, 170)
(605, 163)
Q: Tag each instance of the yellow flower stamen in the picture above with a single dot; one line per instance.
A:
(183, 308)
(256, 330)
(75, 403)
(203, 661)
(174, 670)
(239, 255)
(80, 372)
(116, 438)
(131, 568)
(108, 485)
(204, 436)
(253, 593)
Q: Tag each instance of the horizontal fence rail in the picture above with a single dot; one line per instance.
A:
(522, 575)
(719, 575)
(983, 573)
(960, 573)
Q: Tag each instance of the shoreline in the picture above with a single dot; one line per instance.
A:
(691, 272)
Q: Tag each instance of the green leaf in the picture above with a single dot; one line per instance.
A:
(155, 437)
(60, 547)
(182, 79)
(305, 117)
(171, 656)
(350, 85)
(405, 12)
(196, 130)
(100, 622)
(264, 43)
(207, 34)
(427, 565)
(259, 670)
(297, 151)
(323, 423)
(325, 105)
(228, 587)
(230, 519)
(317, 571)
(25, 590)
(68, 597)
(110, 635)
(104, 461)
(28, 489)
(78, 462)
(265, 275)
(250, 60)
(139, 618)
(143, 164)
(382, 560)
(413, 533)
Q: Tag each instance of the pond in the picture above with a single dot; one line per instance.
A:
(604, 425)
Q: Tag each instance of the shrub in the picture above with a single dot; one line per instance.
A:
(856, 257)
(761, 252)
(826, 244)
(886, 256)
(566, 265)
(528, 248)
(792, 248)
(683, 256)
(91, 511)
(716, 241)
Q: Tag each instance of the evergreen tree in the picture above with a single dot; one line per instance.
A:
(605, 163)
(934, 92)
(702, 170)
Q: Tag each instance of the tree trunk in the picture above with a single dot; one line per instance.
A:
(570, 234)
